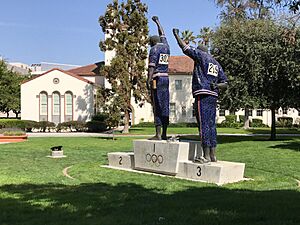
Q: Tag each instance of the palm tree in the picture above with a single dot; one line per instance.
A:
(233, 9)
(204, 36)
(188, 36)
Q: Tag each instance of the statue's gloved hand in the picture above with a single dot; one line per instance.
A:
(213, 85)
(175, 31)
(155, 18)
(148, 84)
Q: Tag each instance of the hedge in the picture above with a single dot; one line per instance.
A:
(284, 122)
(79, 126)
(96, 126)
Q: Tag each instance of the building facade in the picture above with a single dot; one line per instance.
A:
(57, 96)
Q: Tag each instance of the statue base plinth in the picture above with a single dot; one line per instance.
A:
(221, 172)
(175, 159)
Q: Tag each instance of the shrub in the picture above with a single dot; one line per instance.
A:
(231, 118)
(96, 126)
(12, 123)
(13, 133)
(100, 117)
(284, 122)
(230, 121)
(226, 123)
(44, 125)
(257, 123)
(29, 125)
(77, 125)
(297, 122)
(242, 119)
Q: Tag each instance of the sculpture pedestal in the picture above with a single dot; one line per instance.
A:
(123, 160)
(159, 156)
(175, 158)
(220, 172)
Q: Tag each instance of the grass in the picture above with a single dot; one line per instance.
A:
(194, 130)
(33, 189)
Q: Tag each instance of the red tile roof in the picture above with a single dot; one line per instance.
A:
(63, 71)
(88, 70)
(177, 65)
(181, 65)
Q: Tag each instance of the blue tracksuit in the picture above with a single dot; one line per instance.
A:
(206, 71)
(159, 59)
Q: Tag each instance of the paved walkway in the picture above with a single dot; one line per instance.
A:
(82, 134)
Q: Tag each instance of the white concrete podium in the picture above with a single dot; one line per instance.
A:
(175, 159)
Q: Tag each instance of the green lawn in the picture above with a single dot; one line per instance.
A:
(194, 130)
(33, 189)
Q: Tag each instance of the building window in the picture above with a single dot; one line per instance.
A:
(284, 111)
(68, 106)
(259, 112)
(172, 109)
(183, 111)
(178, 85)
(56, 107)
(222, 112)
(43, 106)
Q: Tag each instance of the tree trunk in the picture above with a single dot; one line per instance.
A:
(273, 125)
(7, 114)
(246, 119)
(126, 122)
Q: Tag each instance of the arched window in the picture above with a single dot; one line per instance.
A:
(56, 107)
(68, 106)
(43, 114)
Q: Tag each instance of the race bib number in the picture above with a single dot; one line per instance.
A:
(213, 69)
(163, 59)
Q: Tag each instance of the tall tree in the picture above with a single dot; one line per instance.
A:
(254, 9)
(232, 9)
(262, 64)
(10, 90)
(126, 27)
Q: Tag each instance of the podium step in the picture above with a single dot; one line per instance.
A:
(159, 156)
(123, 160)
(220, 172)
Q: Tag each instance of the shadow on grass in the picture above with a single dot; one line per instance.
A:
(295, 146)
(128, 203)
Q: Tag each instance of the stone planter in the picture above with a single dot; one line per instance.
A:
(57, 154)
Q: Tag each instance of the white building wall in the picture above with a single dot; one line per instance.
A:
(90, 78)
(141, 114)
(181, 98)
(83, 96)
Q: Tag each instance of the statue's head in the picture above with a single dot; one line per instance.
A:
(154, 40)
(203, 48)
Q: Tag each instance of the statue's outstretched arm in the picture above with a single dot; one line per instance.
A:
(180, 42)
(159, 26)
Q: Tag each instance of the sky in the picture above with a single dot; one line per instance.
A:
(67, 31)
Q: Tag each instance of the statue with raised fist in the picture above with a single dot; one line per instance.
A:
(208, 79)
(158, 81)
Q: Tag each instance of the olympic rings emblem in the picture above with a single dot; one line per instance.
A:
(156, 159)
